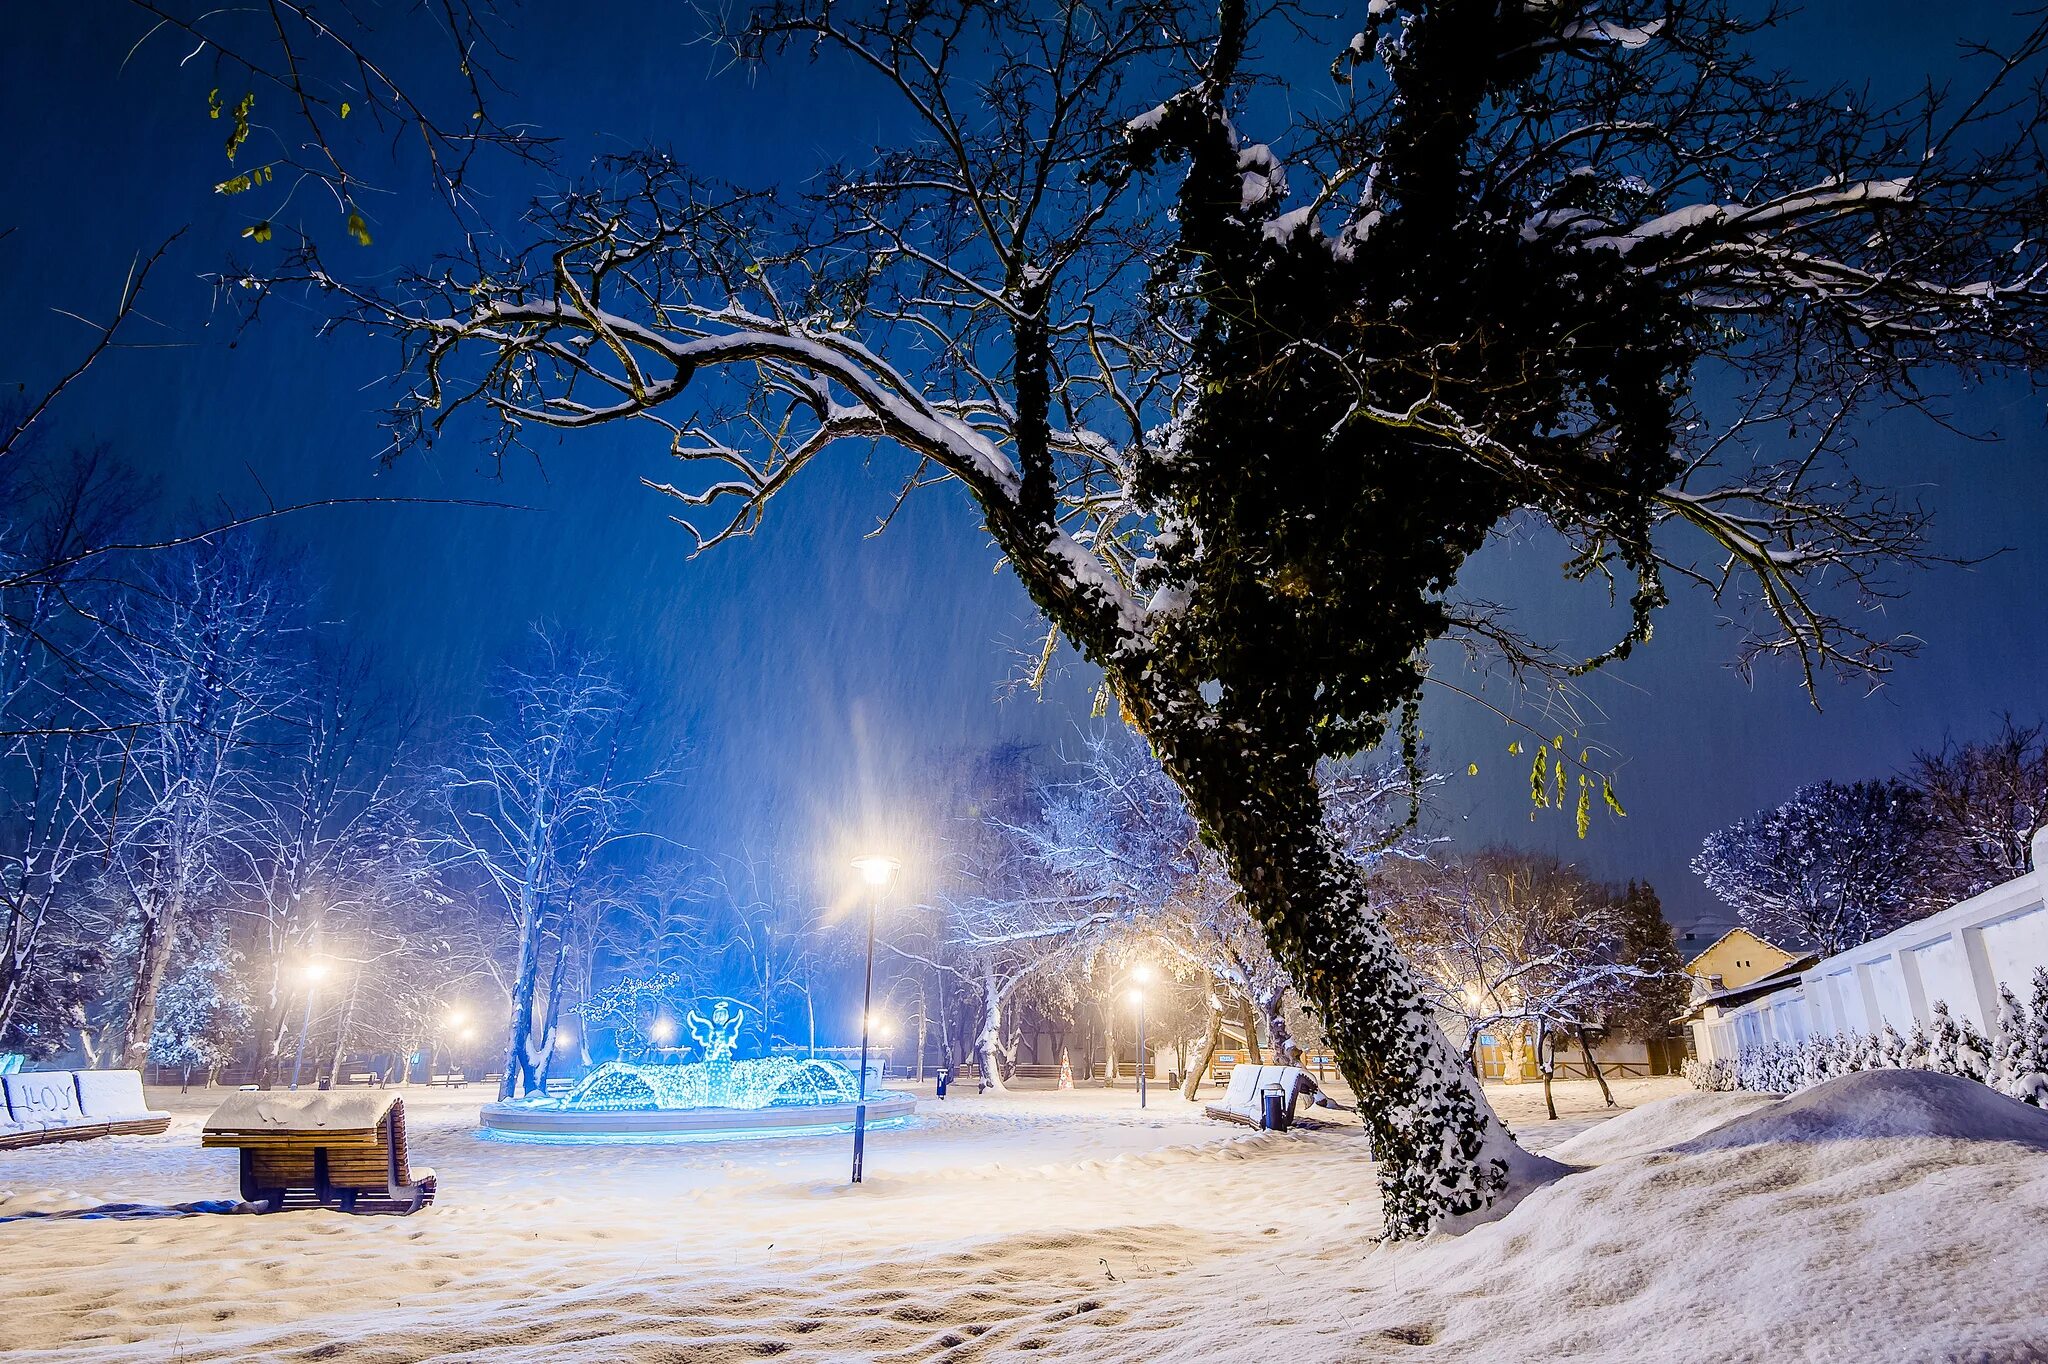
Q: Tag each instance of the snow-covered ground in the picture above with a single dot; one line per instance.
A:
(1860, 1221)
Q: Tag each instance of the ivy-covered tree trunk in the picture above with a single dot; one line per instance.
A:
(1442, 1154)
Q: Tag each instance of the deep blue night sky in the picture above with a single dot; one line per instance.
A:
(816, 673)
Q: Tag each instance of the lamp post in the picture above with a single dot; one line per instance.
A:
(312, 971)
(876, 871)
(1143, 976)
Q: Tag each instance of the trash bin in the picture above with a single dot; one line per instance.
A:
(1275, 1109)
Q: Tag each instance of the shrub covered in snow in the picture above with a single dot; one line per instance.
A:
(1717, 1076)
(2013, 1062)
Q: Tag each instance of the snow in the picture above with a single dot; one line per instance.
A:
(1665, 1122)
(1601, 30)
(1076, 1225)
(302, 1111)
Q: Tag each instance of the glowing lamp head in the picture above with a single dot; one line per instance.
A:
(313, 970)
(663, 1031)
(875, 869)
(1142, 974)
(456, 1018)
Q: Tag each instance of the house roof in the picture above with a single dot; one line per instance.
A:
(1784, 978)
(1761, 942)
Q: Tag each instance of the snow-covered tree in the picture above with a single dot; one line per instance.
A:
(203, 1015)
(536, 794)
(1983, 801)
(1238, 386)
(201, 663)
(1516, 944)
(56, 788)
(769, 940)
(334, 841)
(1834, 866)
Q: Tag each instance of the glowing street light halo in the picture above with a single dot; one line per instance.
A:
(876, 869)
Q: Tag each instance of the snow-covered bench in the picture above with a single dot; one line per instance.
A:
(62, 1105)
(344, 1150)
(1245, 1100)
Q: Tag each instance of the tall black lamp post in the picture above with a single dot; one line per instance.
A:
(875, 871)
(1141, 977)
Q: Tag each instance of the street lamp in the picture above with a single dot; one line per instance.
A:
(1142, 975)
(875, 870)
(311, 972)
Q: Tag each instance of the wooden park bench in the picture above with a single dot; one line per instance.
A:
(322, 1150)
(1245, 1100)
(41, 1106)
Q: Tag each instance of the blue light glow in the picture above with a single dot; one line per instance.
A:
(760, 1082)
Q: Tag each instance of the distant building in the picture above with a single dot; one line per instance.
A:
(1735, 959)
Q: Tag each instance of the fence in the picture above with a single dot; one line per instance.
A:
(1959, 956)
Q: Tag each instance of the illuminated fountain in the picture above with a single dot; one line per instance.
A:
(659, 1096)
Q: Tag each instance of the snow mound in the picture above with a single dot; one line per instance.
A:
(1879, 1104)
(1657, 1125)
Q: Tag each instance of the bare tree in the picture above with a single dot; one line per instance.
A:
(1983, 801)
(1238, 394)
(1516, 944)
(200, 664)
(536, 794)
(772, 938)
(333, 833)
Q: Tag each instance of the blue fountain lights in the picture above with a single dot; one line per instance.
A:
(761, 1082)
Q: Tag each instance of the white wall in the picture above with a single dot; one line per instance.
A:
(1961, 956)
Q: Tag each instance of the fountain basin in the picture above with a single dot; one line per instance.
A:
(636, 1101)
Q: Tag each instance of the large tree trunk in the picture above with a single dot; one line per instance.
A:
(344, 1031)
(1273, 1006)
(153, 960)
(1250, 1026)
(988, 1043)
(1593, 1068)
(270, 1029)
(1443, 1155)
(518, 1078)
(1213, 1039)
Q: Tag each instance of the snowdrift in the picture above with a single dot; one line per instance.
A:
(1876, 1104)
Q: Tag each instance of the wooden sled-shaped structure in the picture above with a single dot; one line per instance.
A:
(322, 1150)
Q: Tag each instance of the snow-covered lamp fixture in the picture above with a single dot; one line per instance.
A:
(875, 869)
